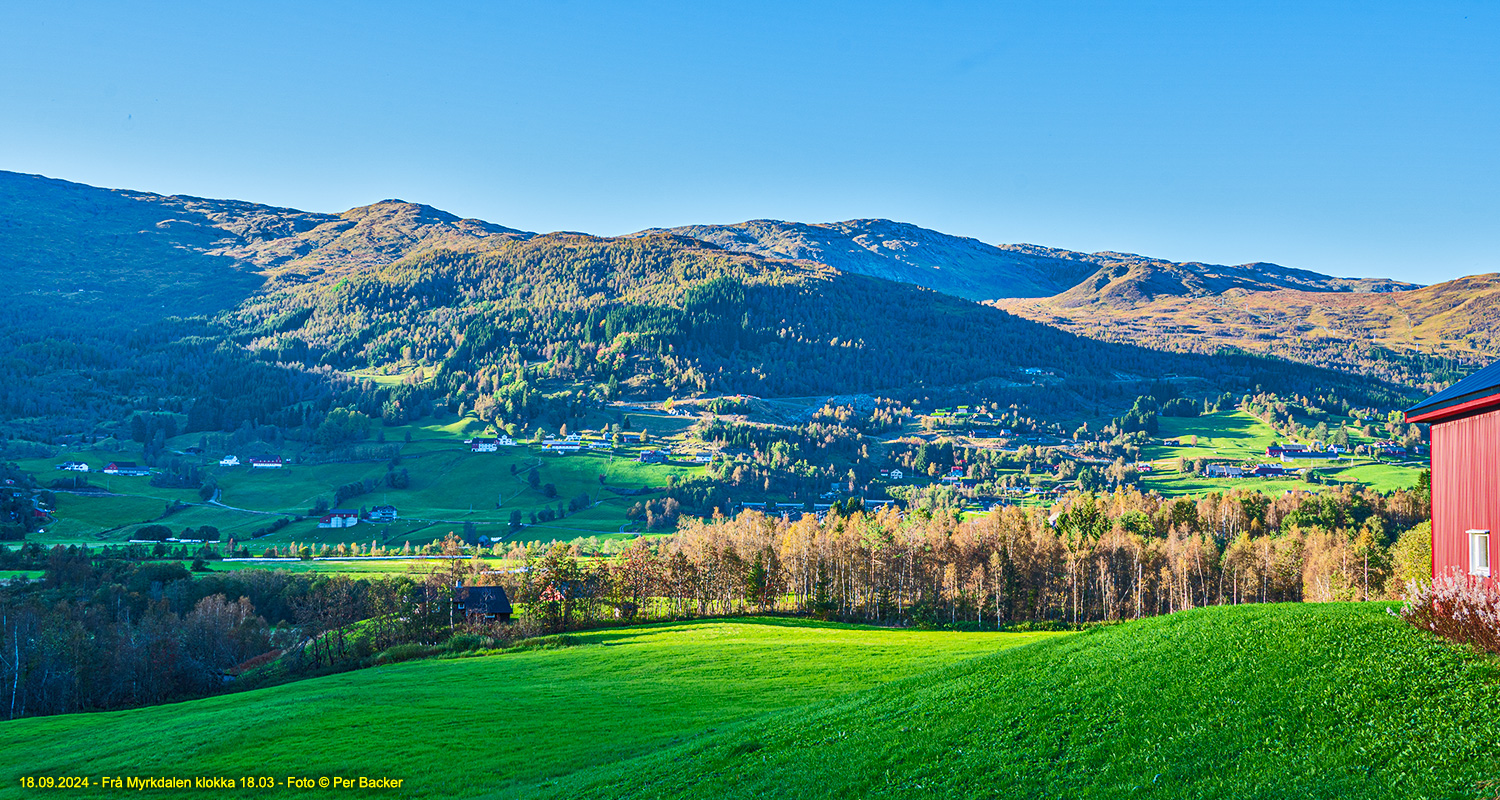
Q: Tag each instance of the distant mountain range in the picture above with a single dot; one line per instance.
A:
(972, 269)
(72, 251)
(125, 300)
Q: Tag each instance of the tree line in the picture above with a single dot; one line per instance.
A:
(1090, 558)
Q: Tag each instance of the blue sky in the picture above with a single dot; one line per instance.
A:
(1350, 138)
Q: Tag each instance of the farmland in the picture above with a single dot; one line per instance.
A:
(1302, 700)
(1237, 437)
(449, 487)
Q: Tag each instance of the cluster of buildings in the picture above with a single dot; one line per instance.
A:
(1288, 452)
(491, 444)
(955, 478)
(345, 518)
(1257, 471)
(571, 443)
(273, 462)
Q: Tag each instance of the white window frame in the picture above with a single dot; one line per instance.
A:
(1475, 568)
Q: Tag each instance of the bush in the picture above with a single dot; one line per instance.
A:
(405, 652)
(464, 642)
(1461, 608)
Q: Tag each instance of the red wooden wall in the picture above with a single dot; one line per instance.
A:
(1465, 489)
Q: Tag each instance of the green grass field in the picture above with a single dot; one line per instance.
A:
(449, 486)
(1286, 701)
(1278, 701)
(1238, 437)
(501, 725)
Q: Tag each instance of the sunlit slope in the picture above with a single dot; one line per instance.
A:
(500, 724)
(1361, 331)
(1251, 701)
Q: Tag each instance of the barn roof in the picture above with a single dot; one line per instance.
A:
(483, 599)
(1477, 388)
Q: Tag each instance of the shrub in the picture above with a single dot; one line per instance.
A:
(1462, 608)
(405, 652)
(464, 642)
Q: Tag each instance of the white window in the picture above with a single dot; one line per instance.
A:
(1479, 553)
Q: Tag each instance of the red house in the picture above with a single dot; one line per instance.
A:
(1465, 420)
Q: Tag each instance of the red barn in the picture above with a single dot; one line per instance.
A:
(1465, 420)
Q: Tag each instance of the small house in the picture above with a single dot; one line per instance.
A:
(896, 474)
(229, 461)
(489, 445)
(482, 602)
(653, 457)
(505, 441)
(703, 458)
(339, 518)
(1224, 471)
(74, 466)
(383, 514)
(630, 438)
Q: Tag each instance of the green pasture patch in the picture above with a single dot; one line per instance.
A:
(1261, 701)
(524, 718)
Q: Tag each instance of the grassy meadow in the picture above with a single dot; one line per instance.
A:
(1239, 437)
(499, 725)
(1258, 701)
(1278, 701)
(449, 487)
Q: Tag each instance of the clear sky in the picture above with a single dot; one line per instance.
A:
(1354, 138)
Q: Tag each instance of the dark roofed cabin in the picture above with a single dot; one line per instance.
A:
(1465, 420)
(484, 602)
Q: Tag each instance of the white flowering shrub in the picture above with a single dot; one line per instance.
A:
(1459, 607)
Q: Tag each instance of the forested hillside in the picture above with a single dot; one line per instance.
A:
(231, 313)
(665, 314)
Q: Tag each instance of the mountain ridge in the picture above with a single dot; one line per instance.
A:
(976, 270)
